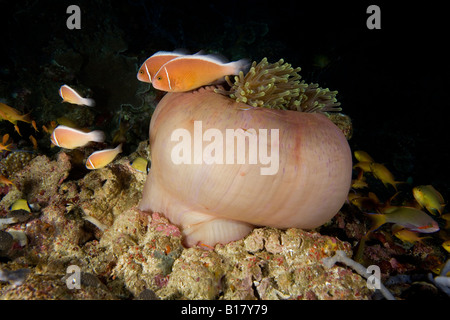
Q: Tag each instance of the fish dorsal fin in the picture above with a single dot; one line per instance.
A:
(208, 57)
(218, 57)
(165, 53)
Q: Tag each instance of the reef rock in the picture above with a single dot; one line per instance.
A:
(123, 252)
(267, 264)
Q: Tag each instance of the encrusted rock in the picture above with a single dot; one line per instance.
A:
(124, 252)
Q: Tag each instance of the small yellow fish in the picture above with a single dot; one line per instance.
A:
(410, 218)
(437, 269)
(446, 245)
(34, 142)
(101, 158)
(363, 156)
(50, 126)
(152, 65)
(140, 164)
(364, 166)
(430, 198)
(406, 235)
(365, 204)
(71, 96)
(3, 145)
(5, 181)
(12, 115)
(359, 184)
(33, 124)
(190, 72)
(70, 138)
(20, 204)
(446, 217)
(360, 181)
(382, 173)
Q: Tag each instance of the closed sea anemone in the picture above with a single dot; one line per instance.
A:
(211, 146)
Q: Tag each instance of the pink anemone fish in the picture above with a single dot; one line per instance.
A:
(151, 66)
(70, 138)
(101, 158)
(71, 96)
(190, 72)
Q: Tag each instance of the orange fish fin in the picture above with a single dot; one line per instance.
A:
(89, 102)
(26, 118)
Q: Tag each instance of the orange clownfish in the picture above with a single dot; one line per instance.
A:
(70, 138)
(151, 66)
(71, 96)
(193, 71)
(101, 158)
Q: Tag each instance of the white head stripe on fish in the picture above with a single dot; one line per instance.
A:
(54, 138)
(168, 79)
(148, 73)
(90, 162)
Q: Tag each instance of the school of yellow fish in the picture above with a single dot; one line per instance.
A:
(408, 220)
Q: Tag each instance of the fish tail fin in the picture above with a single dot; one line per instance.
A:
(97, 136)
(424, 238)
(377, 220)
(240, 65)
(119, 148)
(26, 118)
(89, 102)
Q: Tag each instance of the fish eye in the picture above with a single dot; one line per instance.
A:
(159, 78)
(141, 72)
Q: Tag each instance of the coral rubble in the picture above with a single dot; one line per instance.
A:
(123, 252)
